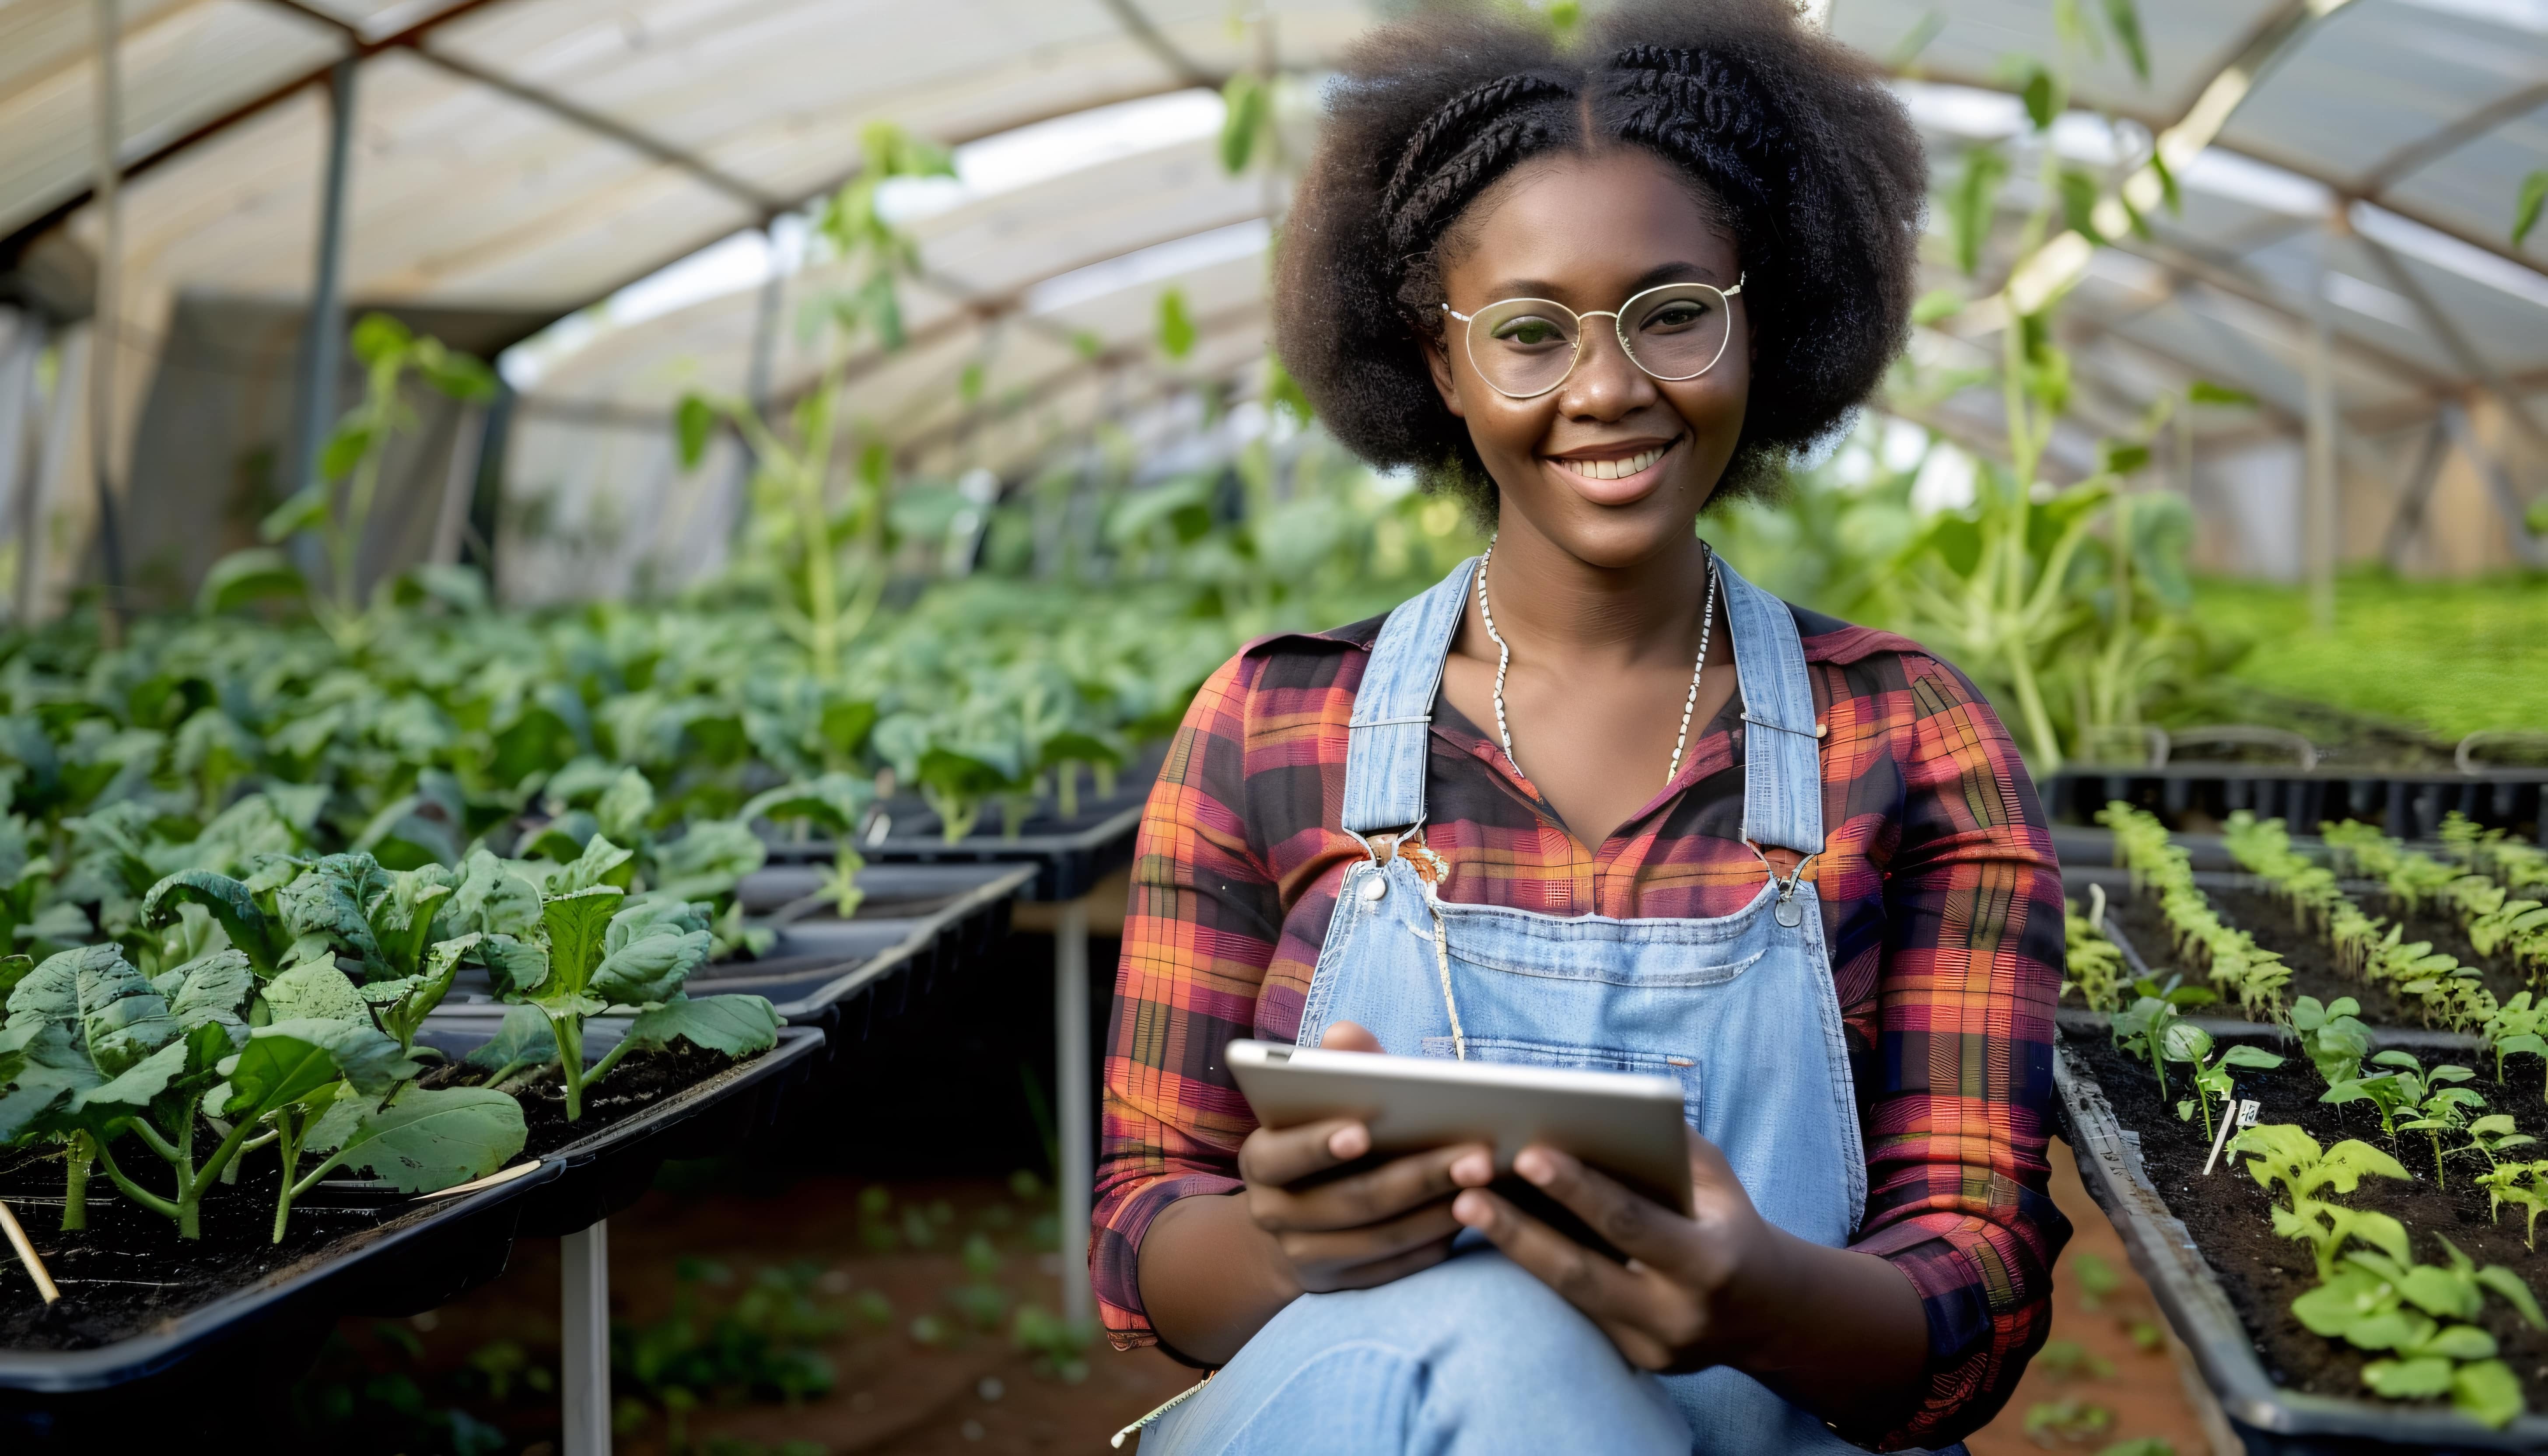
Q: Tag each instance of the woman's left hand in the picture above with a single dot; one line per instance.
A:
(1842, 1334)
(1688, 1296)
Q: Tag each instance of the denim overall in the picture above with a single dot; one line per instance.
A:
(1740, 1010)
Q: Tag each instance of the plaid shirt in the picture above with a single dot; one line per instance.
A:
(1942, 910)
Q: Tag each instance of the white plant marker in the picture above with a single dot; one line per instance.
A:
(2245, 1119)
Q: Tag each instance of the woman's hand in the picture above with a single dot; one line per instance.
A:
(1362, 1229)
(1214, 1270)
(1841, 1333)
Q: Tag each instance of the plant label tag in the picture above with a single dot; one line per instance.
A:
(2221, 1137)
(2247, 1111)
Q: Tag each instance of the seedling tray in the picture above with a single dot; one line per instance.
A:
(1070, 855)
(2406, 804)
(606, 1169)
(171, 1380)
(2269, 1417)
(2134, 924)
(918, 923)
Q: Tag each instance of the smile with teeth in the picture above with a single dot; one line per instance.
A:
(1620, 469)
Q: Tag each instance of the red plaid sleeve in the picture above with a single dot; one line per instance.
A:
(1198, 934)
(1958, 1195)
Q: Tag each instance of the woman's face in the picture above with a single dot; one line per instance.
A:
(1590, 232)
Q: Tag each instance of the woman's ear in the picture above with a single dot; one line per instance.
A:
(1446, 383)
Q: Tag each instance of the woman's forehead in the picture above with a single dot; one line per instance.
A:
(1603, 221)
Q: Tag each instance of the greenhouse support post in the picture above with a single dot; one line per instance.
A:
(584, 1323)
(322, 332)
(2319, 526)
(106, 318)
(1073, 1106)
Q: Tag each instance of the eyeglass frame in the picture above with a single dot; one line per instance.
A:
(1468, 343)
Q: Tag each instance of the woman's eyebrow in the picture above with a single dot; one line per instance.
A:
(1679, 271)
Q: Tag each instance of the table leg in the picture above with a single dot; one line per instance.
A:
(585, 1321)
(1072, 1105)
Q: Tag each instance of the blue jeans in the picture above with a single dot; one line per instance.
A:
(1472, 1357)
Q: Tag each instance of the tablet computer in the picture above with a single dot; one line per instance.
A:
(1627, 1125)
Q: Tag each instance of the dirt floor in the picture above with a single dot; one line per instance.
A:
(922, 1300)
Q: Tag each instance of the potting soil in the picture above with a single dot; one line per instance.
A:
(129, 1269)
(2230, 1215)
(2316, 970)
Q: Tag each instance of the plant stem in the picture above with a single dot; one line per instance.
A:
(569, 1031)
(609, 1059)
(75, 1182)
(132, 1190)
(288, 1145)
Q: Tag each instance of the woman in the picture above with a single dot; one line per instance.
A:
(1594, 801)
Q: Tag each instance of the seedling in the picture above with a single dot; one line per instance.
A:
(2282, 1154)
(2518, 1028)
(2407, 1087)
(2332, 1036)
(2229, 956)
(2096, 966)
(2141, 1029)
(2414, 1315)
(2522, 1184)
(2187, 1043)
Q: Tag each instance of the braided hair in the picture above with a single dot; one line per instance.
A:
(1791, 144)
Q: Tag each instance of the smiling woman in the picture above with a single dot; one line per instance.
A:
(1592, 290)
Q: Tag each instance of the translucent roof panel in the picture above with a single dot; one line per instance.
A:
(185, 63)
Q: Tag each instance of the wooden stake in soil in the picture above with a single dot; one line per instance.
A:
(27, 1255)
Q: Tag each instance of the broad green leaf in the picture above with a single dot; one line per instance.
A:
(2205, 392)
(377, 337)
(513, 965)
(230, 902)
(709, 859)
(1245, 111)
(215, 990)
(2510, 1288)
(315, 991)
(577, 924)
(2460, 1342)
(733, 1025)
(138, 1083)
(2525, 210)
(330, 900)
(2488, 1392)
(50, 992)
(600, 860)
(694, 423)
(2124, 17)
(429, 1138)
(2043, 97)
(833, 802)
(625, 806)
(12, 969)
(256, 574)
(304, 511)
(2251, 1056)
(525, 1037)
(2408, 1380)
(493, 900)
(1176, 325)
(344, 450)
(290, 1059)
(1974, 202)
(121, 1016)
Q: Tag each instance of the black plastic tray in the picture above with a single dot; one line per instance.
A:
(261, 1336)
(2407, 805)
(919, 922)
(607, 1170)
(2268, 1419)
(1070, 855)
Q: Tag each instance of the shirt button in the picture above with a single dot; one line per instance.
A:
(1375, 887)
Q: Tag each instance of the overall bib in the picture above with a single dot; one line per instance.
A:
(1740, 1010)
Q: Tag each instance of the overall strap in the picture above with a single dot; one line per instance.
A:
(1782, 780)
(1386, 743)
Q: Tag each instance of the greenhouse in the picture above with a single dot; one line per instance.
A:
(614, 723)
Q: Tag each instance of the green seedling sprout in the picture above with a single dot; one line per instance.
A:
(2522, 1184)
(2332, 1035)
(2187, 1043)
(2518, 1028)
(2408, 1087)
(2285, 1156)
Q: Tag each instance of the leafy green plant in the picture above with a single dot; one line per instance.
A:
(2283, 1155)
(2524, 1185)
(2518, 1028)
(2416, 1316)
(2095, 966)
(2332, 1035)
(2231, 957)
(2189, 1044)
(595, 951)
(337, 507)
(2408, 1087)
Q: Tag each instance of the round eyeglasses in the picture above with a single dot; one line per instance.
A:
(1525, 347)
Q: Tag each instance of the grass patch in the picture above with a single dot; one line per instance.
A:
(2452, 657)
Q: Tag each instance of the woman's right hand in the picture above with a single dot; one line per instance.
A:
(1361, 1229)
